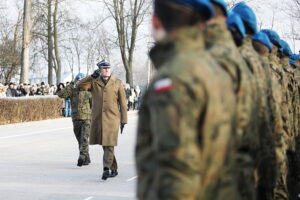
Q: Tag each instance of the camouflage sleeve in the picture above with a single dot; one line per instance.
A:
(66, 92)
(122, 103)
(168, 148)
(144, 154)
(85, 83)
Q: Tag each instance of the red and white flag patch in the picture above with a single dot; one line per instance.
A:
(163, 85)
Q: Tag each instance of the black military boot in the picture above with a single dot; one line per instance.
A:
(105, 174)
(113, 173)
(80, 161)
(87, 160)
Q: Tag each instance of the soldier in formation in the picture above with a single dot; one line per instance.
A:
(220, 119)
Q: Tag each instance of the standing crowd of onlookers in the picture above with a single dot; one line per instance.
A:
(24, 90)
(133, 95)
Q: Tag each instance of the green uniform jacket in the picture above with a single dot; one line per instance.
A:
(283, 81)
(293, 98)
(264, 154)
(224, 51)
(185, 123)
(81, 101)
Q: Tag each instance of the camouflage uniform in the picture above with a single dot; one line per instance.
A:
(281, 191)
(295, 174)
(185, 124)
(292, 99)
(293, 109)
(276, 117)
(81, 115)
(263, 151)
(223, 49)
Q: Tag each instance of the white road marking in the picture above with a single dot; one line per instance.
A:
(131, 179)
(35, 133)
(89, 198)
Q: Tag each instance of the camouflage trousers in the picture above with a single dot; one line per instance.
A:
(82, 131)
(109, 159)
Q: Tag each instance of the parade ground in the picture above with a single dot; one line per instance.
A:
(38, 162)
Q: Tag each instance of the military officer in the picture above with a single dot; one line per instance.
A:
(108, 114)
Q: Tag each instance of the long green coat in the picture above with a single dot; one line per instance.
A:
(109, 109)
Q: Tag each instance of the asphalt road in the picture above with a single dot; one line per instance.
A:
(38, 162)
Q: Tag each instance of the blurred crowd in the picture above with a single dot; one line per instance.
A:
(23, 89)
(133, 96)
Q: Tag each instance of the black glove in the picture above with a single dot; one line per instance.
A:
(96, 74)
(122, 127)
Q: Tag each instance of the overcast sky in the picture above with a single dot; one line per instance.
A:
(270, 14)
(266, 10)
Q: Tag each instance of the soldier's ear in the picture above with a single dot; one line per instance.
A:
(156, 24)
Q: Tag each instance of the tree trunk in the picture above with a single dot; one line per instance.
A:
(129, 77)
(127, 18)
(57, 54)
(26, 42)
(10, 73)
(50, 45)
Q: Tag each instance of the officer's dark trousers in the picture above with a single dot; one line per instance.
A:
(109, 159)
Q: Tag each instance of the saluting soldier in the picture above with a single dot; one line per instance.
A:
(109, 112)
(81, 102)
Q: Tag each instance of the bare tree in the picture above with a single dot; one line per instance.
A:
(296, 8)
(128, 16)
(56, 48)
(50, 43)
(26, 42)
(10, 41)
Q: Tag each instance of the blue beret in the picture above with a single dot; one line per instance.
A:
(79, 76)
(273, 36)
(285, 48)
(295, 57)
(264, 39)
(234, 21)
(247, 15)
(202, 6)
(103, 64)
(223, 4)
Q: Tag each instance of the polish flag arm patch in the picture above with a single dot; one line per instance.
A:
(163, 85)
